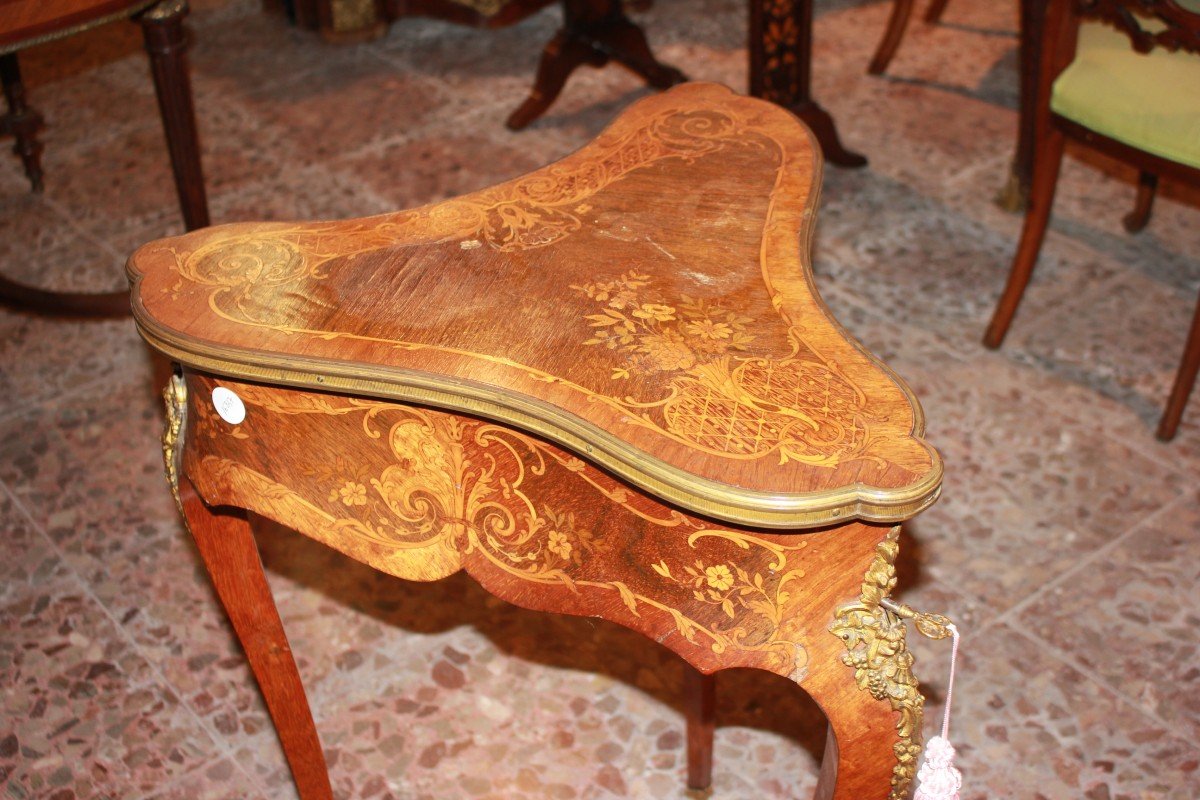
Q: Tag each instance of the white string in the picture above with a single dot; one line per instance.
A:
(950, 685)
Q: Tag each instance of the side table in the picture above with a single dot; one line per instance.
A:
(779, 44)
(607, 388)
(26, 23)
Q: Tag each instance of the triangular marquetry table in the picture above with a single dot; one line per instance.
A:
(607, 388)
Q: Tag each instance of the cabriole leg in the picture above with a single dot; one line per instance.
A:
(230, 554)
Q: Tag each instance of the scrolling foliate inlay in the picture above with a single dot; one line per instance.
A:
(531, 212)
(460, 486)
(878, 653)
(796, 407)
(721, 401)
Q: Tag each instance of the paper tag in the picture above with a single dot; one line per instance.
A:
(228, 405)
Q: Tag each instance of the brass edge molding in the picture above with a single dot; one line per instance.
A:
(71, 30)
(876, 649)
(700, 495)
(175, 399)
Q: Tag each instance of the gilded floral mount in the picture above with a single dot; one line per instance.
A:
(878, 653)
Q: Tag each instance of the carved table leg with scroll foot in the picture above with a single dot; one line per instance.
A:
(781, 70)
(594, 32)
(625, 42)
(562, 56)
(230, 554)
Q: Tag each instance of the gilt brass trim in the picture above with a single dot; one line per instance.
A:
(71, 30)
(674, 485)
(536, 211)
(175, 399)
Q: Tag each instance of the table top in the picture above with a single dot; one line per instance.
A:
(24, 23)
(646, 302)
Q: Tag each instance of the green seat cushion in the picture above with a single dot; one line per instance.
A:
(1148, 101)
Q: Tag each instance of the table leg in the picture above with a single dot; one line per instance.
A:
(700, 701)
(781, 70)
(166, 42)
(874, 710)
(21, 120)
(861, 747)
(230, 554)
(594, 32)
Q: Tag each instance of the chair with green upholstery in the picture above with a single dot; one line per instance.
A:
(1123, 77)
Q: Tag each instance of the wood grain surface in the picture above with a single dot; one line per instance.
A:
(421, 493)
(646, 302)
(607, 389)
(26, 22)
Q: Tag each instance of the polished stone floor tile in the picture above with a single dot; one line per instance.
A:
(31, 559)
(1028, 723)
(84, 714)
(1123, 337)
(219, 780)
(1129, 617)
(64, 359)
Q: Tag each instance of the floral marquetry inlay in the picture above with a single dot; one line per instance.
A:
(644, 302)
(608, 388)
(720, 399)
(430, 489)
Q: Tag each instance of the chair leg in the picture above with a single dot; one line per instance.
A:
(21, 120)
(1047, 162)
(166, 42)
(230, 554)
(1147, 185)
(700, 700)
(933, 14)
(1185, 381)
(897, 22)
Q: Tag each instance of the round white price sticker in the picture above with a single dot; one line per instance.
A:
(228, 405)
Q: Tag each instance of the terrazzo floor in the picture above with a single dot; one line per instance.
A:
(1065, 543)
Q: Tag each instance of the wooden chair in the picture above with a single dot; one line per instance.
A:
(25, 23)
(897, 22)
(1138, 103)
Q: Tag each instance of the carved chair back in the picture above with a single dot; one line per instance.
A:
(1173, 25)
